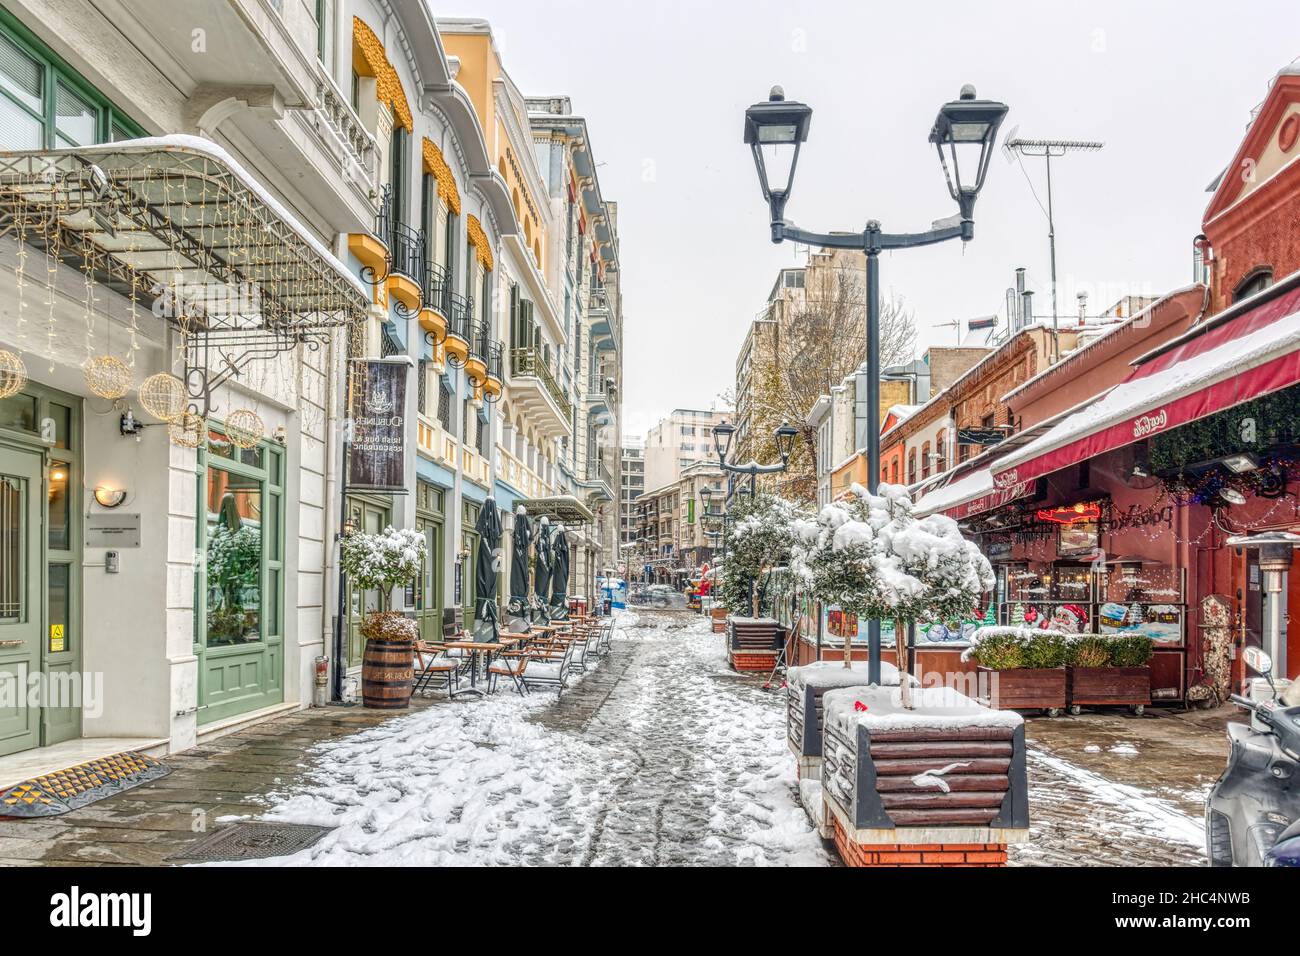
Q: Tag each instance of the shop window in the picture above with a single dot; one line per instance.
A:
(241, 541)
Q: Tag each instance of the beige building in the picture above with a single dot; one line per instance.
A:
(679, 441)
(671, 541)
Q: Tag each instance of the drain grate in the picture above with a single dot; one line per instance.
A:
(250, 841)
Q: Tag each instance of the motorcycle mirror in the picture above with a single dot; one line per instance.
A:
(1258, 661)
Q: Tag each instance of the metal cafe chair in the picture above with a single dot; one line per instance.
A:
(432, 662)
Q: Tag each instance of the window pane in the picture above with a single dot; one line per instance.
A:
(234, 558)
(59, 529)
(60, 639)
(74, 117)
(62, 416)
(20, 75)
(18, 130)
(18, 411)
(119, 133)
(11, 548)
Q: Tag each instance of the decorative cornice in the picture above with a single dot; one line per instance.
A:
(388, 85)
(436, 166)
(479, 240)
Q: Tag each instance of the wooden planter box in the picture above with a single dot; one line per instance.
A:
(885, 813)
(754, 644)
(719, 615)
(1024, 688)
(1108, 686)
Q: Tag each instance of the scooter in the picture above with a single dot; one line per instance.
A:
(1252, 816)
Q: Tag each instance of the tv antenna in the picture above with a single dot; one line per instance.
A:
(1047, 149)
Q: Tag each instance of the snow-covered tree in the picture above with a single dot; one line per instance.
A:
(871, 556)
(760, 538)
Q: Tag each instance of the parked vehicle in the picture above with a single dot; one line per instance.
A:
(1252, 816)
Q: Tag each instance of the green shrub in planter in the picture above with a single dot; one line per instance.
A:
(1047, 649)
(1090, 650)
(1002, 652)
(1130, 650)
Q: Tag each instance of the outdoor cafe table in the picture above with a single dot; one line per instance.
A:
(476, 649)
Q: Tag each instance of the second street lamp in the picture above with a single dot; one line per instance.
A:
(963, 133)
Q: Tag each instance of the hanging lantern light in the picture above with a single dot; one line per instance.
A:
(107, 376)
(13, 373)
(163, 396)
(245, 428)
(187, 430)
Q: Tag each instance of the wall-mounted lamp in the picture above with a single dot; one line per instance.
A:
(109, 497)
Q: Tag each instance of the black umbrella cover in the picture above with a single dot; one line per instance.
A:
(523, 538)
(485, 569)
(560, 579)
(545, 564)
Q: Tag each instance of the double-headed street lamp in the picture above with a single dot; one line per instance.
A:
(723, 432)
(963, 133)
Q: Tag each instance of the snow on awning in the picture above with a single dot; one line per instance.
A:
(1256, 352)
(967, 496)
(177, 219)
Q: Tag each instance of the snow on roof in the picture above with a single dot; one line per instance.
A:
(1143, 394)
(935, 708)
(974, 485)
(206, 147)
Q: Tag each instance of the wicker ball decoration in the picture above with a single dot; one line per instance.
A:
(107, 376)
(13, 373)
(245, 428)
(187, 430)
(163, 396)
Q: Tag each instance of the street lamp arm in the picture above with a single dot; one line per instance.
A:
(753, 468)
(872, 239)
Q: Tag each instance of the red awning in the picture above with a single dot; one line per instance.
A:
(969, 495)
(1249, 355)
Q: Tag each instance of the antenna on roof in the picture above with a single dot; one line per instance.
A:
(1048, 148)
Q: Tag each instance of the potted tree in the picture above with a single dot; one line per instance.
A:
(1021, 668)
(1109, 671)
(760, 540)
(382, 562)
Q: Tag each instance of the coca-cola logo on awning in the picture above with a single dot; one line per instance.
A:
(1006, 479)
(1150, 423)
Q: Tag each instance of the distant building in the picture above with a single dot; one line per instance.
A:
(679, 441)
(633, 484)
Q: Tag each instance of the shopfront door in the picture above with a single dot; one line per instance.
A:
(22, 580)
(372, 517)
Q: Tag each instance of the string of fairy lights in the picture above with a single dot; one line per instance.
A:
(197, 197)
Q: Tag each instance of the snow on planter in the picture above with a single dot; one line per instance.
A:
(947, 772)
(804, 689)
(810, 795)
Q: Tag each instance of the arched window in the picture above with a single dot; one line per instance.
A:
(911, 467)
(1256, 280)
(925, 459)
(941, 451)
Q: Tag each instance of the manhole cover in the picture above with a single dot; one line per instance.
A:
(250, 841)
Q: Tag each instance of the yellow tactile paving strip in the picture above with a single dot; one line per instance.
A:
(63, 790)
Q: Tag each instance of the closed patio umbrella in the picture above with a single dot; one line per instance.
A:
(523, 539)
(560, 577)
(485, 574)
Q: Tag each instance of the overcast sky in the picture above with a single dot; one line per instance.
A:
(1168, 86)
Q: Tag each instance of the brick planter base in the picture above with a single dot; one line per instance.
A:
(762, 661)
(917, 854)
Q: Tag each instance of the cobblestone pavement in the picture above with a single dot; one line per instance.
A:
(659, 755)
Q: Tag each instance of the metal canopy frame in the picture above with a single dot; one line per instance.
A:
(564, 508)
(183, 232)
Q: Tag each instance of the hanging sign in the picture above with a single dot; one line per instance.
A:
(377, 425)
(980, 436)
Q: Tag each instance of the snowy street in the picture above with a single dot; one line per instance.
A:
(662, 756)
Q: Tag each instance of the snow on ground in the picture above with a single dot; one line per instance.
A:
(682, 762)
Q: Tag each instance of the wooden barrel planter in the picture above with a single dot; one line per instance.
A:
(945, 784)
(1108, 686)
(387, 674)
(1024, 688)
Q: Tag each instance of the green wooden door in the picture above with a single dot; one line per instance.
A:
(372, 518)
(425, 592)
(239, 614)
(21, 595)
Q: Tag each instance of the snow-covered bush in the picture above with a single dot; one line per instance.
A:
(382, 561)
(761, 537)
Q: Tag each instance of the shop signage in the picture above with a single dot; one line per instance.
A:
(112, 531)
(980, 436)
(1147, 424)
(1071, 514)
(377, 425)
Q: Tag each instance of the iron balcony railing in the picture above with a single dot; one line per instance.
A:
(436, 287)
(494, 361)
(528, 361)
(596, 471)
(480, 342)
(405, 245)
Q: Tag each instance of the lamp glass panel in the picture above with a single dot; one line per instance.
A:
(777, 133)
(969, 132)
(778, 162)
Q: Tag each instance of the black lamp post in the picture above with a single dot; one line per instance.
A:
(963, 134)
(723, 433)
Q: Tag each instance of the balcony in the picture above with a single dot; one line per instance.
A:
(350, 140)
(460, 311)
(483, 366)
(603, 332)
(534, 390)
(599, 481)
(435, 303)
(405, 277)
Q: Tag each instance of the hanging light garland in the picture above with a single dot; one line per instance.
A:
(245, 428)
(187, 430)
(163, 396)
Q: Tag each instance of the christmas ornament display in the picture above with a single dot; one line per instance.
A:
(187, 430)
(13, 373)
(245, 428)
(163, 396)
(107, 376)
